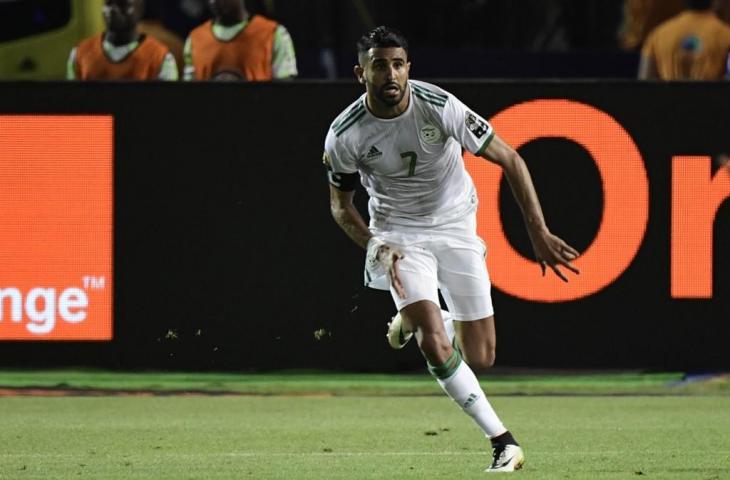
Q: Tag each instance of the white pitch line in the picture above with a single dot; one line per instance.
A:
(158, 453)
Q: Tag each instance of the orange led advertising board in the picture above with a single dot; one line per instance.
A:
(697, 194)
(56, 225)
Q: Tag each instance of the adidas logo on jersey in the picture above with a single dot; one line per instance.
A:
(373, 153)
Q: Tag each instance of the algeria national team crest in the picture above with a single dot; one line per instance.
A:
(430, 134)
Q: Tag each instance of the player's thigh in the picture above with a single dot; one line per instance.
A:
(464, 281)
(418, 272)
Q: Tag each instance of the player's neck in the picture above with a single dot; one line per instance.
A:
(383, 110)
(122, 37)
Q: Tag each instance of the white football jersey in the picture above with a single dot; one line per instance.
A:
(411, 165)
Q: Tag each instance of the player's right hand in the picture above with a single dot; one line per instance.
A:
(389, 257)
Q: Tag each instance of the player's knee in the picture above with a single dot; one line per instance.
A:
(436, 348)
(483, 361)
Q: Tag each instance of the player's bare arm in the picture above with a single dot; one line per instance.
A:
(347, 217)
(351, 222)
(549, 249)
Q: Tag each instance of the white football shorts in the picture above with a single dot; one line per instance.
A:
(450, 258)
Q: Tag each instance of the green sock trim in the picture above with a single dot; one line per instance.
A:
(446, 370)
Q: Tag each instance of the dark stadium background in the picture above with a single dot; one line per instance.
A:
(226, 256)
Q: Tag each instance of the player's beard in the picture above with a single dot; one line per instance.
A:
(388, 100)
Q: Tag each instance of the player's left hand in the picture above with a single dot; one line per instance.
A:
(551, 251)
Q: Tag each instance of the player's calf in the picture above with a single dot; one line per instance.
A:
(478, 342)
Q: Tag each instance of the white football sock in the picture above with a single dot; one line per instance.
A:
(463, 388)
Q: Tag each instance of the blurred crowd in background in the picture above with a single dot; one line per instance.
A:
(449, 38)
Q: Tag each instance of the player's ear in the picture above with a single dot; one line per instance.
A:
(359, 73)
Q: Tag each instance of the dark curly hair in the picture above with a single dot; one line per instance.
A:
(381, 37)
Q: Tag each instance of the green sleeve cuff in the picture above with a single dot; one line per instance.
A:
(485, 144)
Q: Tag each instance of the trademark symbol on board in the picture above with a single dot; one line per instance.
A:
(94, 283)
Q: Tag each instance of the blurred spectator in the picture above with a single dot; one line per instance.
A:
(235, 42)
(152, 25)
(121, 52)
(642, 16)
(314, 24)
(693, 45)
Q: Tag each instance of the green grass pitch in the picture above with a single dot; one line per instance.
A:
(357, 433)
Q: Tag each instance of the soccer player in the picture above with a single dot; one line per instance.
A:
(404, 138)
(121, 52)
(251, 47)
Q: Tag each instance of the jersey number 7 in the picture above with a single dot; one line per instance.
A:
(411, 158)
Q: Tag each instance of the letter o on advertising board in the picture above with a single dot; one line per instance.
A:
(625, 201)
